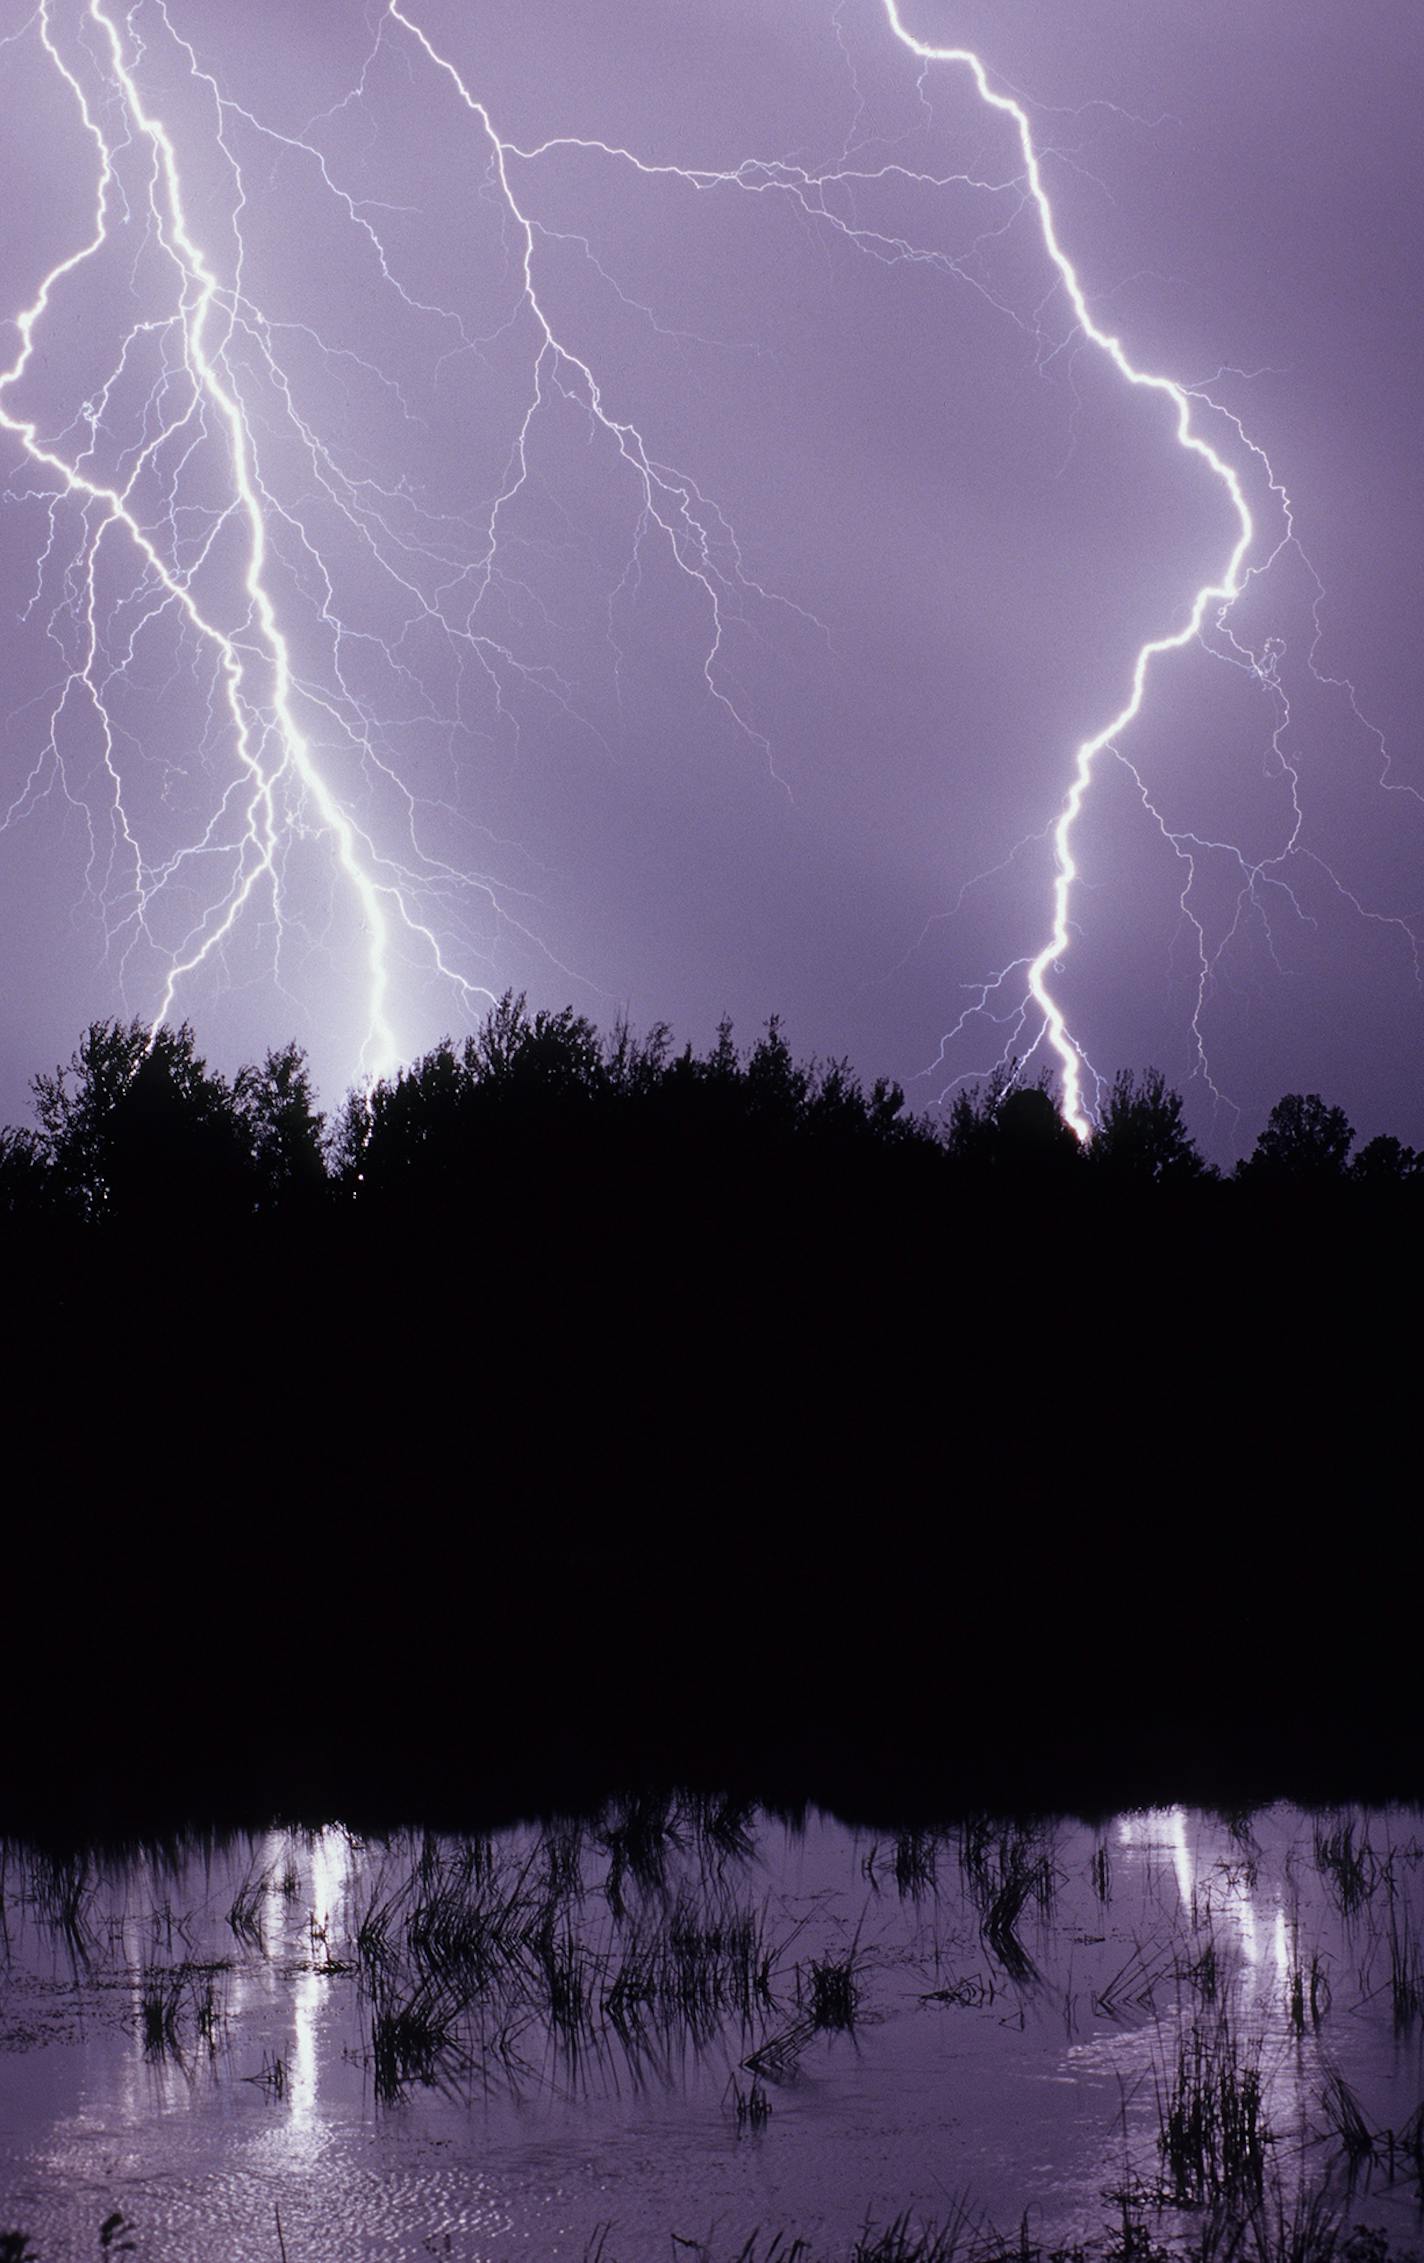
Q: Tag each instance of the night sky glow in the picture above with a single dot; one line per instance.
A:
(660, 508)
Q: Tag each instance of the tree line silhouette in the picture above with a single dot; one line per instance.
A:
(137, 1125)
(573, 1411)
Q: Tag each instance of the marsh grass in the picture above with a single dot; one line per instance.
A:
(640, 1840)
(415, 2038)
(1406, 1962)
(1348, 1864)
(689, 1967)
(832, 1992)
(512, 1940)
(1005, 1869)
(62, 1889)
(171, 1998)
(723, 1829)
(470, 1915)
(1203, 1974)
(913, 1864)
(1212, 2136)
(751, 2107)
(271, 2077)
(1307, 1994)
(1273, 2226)
(244, 1917)
(905, 2242)
(1343, 2113)
(1130, 1993)
(160, 2004)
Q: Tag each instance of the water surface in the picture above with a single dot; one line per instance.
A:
(696, 2021)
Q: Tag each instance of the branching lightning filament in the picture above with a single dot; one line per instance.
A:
(1220, 592)
(346, 655)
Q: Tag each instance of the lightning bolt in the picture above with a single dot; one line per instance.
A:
(1210, 604)
(199, 297)
(286, 788)
(1221, 591)
(195, 488)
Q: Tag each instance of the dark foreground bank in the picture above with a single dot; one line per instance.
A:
(895, 1510)
(1310, 2230)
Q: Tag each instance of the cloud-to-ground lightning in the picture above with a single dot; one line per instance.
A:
(334, 649)
(1209, 605)
(282, 788)
(1217, 594)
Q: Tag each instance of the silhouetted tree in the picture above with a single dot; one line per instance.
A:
(26, 1180)
(1141, 1139)
(536, 1119)
(1012, 1129)
(635, 1066)
(136, 1124)
(774, 1085)
(406, 1134)
(283, 1127)
(1385, 1162)
(1305, 1143)
(969, 1135)
(530, 1060)
(838, 1111)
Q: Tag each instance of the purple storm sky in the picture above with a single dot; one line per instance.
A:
(732, 655)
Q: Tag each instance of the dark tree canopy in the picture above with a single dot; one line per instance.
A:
(283, 1128)
(1305, 1143)
(545, 1092)
(1011, 1129)
(1386, 1162)
(1141, 1138)
(135, 1123)
(537, 1108)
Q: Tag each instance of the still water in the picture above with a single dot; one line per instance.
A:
(688, 2022)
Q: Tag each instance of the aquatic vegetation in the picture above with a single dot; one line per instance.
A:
(683, 1964)
(171, 1996)
(1213, 2136)
(1307, 1993)
(1348, 1864)
(751, 2107)
(244, 1916)
(1004, 1869)
(415, 2037)
(833, 1991)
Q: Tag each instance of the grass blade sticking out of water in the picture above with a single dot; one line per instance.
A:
(1102, 1873)
(723, 1828)
(999, 1930)
(245, 1916)
(473, 1916)
(1132, 1988)
(1204, 1975)
(160, 2004)
(415, 2037)
(832, 1994)
(1003, 1869)
(1213, 2136)
(688, 1967)
(169, 1992)
(640, 1841)
(1349, 1867)
(1352, 2131)
(1406, 1960)
(752, 2107)
(1307, 1995)
(915, 1864)
(904, 2242)
(62, 1888)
